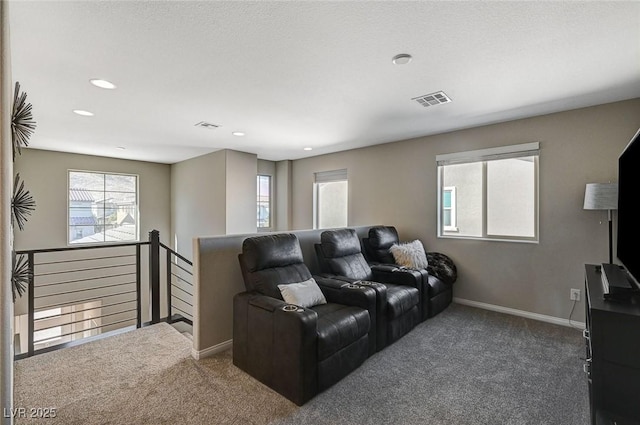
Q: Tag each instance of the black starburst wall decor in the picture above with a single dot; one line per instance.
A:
(21, 275)
(22, 204)
(22, 123)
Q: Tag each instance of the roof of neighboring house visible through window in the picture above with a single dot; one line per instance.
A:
(80, 195)
(82, 221)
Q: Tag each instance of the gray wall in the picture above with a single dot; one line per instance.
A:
(197, 199)
(242, 169)
(213, 194)
(6, 238)
(396, 184)
(45, 174)
(283, 195)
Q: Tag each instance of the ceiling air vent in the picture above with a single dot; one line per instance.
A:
(432, 99)
(207, 125)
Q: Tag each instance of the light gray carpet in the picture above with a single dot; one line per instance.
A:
(465, 366)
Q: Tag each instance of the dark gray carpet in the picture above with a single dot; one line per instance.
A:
(465, 366)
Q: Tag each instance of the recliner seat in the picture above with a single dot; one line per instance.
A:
(437, 278)
(397, 297)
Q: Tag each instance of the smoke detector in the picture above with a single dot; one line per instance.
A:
(207, 125)
(432, 99)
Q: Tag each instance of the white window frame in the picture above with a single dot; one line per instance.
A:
(137, 208)
(328, 177)
(452, 227)
(484, 155)
(270, 201)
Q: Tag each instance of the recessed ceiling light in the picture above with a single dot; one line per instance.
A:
(83, 113)
(238, 133)
(103, 84)
(122, 148)
(401, 59)
(308, 149)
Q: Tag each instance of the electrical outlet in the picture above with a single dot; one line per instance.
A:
(574, 295)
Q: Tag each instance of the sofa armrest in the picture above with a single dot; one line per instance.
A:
(398, 276)
(347, 293)
(276, 343)
(332, 276)
(384, 267)
(266, 303)
(295, 354)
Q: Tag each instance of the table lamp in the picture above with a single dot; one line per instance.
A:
(603, 196)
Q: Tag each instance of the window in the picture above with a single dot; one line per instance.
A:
(449, 208)
(330, 199)
(489, 193)
(103, 207)
(264, 202)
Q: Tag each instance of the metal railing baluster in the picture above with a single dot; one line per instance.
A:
(138, 289)
(30, 318)
(154, 275)
(168, 268)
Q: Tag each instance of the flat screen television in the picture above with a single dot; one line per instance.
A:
(628, 234)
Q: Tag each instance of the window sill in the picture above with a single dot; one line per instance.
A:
(472, 238)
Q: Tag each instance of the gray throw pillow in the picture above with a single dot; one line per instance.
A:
(304, 294)
(410, 254)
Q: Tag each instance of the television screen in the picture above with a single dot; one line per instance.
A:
(628, 246)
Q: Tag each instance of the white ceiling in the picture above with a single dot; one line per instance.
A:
(308, 74)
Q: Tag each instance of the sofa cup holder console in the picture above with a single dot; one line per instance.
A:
(292, 308)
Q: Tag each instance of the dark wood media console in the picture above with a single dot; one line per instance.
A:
(613, 354)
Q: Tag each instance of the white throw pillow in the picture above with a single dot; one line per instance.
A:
(304, 294)
(410, 254)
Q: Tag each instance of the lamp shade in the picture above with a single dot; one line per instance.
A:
(601, 196)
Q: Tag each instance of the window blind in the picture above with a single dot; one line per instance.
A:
(330, 176)
(502, 152)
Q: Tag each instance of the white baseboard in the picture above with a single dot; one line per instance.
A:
(210, 351)
(521, 313)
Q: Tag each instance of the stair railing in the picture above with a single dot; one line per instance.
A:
(79, 293)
